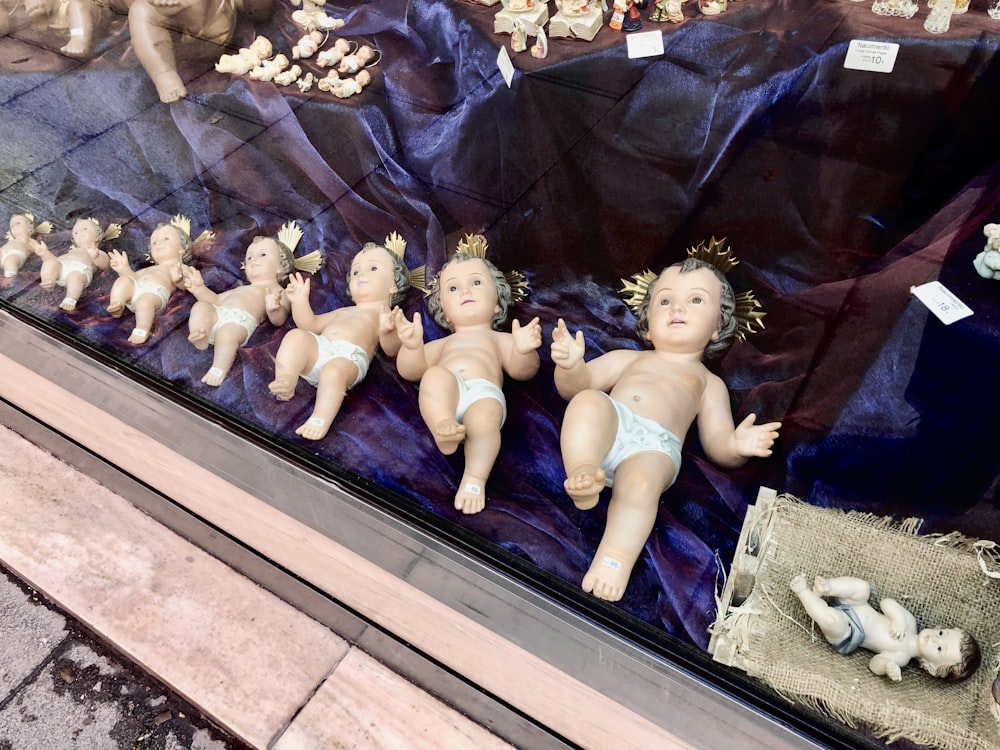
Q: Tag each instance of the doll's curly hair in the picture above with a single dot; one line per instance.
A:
(970, 657)
(505, 298)
(727, 304)
(400, 273)
(187, 244)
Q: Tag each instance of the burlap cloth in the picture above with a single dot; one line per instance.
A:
(939, 579)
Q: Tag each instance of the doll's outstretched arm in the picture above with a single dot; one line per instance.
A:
(195, 284)
(297, 292)
(883, 666)
(119, 263)
(43, 252)
(276, 306)
(727, 445)
(567, 352)
(520, 358)
(388, 336)
(412, 358)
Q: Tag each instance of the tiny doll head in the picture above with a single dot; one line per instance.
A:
(168, 240)
(727, 320)
(86, 232)
(21, 226)
(504, 296)
(373, 258)
(950, 654)
(286, 258)
(267, 258)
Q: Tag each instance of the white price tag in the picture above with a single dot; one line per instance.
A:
(505, 65)
(877, 56)
(940, 301)
(644, 44)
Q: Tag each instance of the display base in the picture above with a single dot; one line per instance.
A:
(533, 20)
(576, 27)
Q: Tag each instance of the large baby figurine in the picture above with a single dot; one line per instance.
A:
(332, 351)
(631, 409)
(227, 320)
(75, 268)
(461, 375)
(22, 241)
(147, 291)
(840, 608)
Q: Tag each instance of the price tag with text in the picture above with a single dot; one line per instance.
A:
(877, 56)
(644, 44)
(940, 301)
(505, 64)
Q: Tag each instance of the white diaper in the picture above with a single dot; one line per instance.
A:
(638, 435)
(329, 350)
(233, 315)
(69, 266)
(476, 389)
(145, 286)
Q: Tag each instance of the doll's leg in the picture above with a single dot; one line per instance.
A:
(76, 282)
(438, 400)
(154, 47)
(833, 622)
(81, 28)
(203, 316)
(49, 273)
(146, 307)
(482, 421)
(335, 378)
(228, 340)
(847, 589)
(296, 356)
(121, 292)
(12, 264)
(588, 432)
(639, 482)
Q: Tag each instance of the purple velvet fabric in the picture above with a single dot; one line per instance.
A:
(837, 190)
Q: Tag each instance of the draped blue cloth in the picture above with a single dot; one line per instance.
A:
(837, 189)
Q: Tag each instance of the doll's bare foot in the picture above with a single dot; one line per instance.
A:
(282, 387)
(47, 284)
(799, 583)
(471, 495)
(213, 377)
(448, 435)
(170, 87)
(138, 336)
(584, 485)
(68, 304)
(821, 586)
(199, 337)
(115, 309)
(313, 428)
(607, 577)
(76, 47)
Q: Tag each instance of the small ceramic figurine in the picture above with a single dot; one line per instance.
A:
(21, 242)
(313, 17)
(75, 268)
(630, 409)
(269, 69)
(227, 320)
(247, 58)
(333, 54)
(147, 291)
(342, 88)
(987, 263)
(365, 57)
(461, 375)
(939, 19)
(667, 10)
(540, 48)
(307, 45)
(332, 351)
(840, 608)
(289, 76)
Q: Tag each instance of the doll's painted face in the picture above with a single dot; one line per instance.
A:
(262, 261)
(165, 245)
(20, 226)
(371, 278)
(939, 647)
(85, 233)
(468, 293)
(684, 310)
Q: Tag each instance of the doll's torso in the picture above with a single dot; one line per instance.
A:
(666, 391)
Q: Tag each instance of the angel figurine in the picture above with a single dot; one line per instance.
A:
(461, 375)
(227, 320)
(22, 241)
(75, 268)
(146, 291)
(630, 409)
(332, 351)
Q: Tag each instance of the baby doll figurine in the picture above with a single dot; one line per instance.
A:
(332, 351)
(227, 320)
(269, 69)
(307, 45)
(147, 291)
(849, 622)
(365, 57)
(333, 54)
(461, 375)
(630, 410)
(21, 242)
(987, 262)
(342, 88)
(75, 268)
(247, 58)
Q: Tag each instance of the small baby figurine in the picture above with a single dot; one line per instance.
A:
(21, 242)
(268, 69)
(333, 54)
(227, 320)
(631, 409)
(288, 77)
(332, 351)
(307, 45)
(365, 57)
(147, 291)
(342, 88)
(461, 375)
(987, 263)
(75, 268)
(247, 58)
(849, 622)
(313, 17)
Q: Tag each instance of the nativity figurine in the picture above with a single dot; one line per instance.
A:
(840, 608)
(333, 54)
(307, 46)
(342, 88)
(21, 242)
(312, 16)
(629, 410)
(987, 262)
(75, 269)
(364, 57)
(226, 320)
(247, 58)
(332, 351)
(461, 375)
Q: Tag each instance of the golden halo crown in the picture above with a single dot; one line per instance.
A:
(475, 245)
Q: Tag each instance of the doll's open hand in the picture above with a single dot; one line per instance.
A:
(386, 320)
(566, 350)
(119, 261)
(411, 333)
(526, 338)
(192, 277)
(755, 439)
(297, 289)
(272, 299)
(177, 274)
